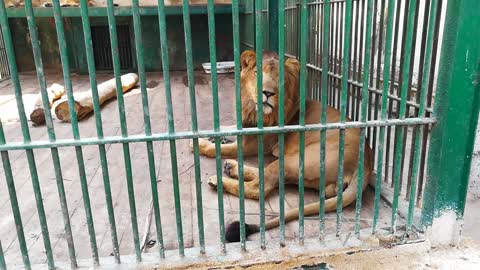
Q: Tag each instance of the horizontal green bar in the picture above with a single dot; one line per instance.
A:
(118, 11)
(210, 133)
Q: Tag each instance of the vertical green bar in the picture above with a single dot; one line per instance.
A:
(363, 115)
(303, 88)
(137, 27)
(166, 76)
(281, 116)
(331, 30)
(14, 202)
(176, 187)
(421, 113)
(26, 134)
(383, 115)
(193, 109)
(323, 120)
(3, 266)
(403, 102)
(274, 24)
(261, 166)
(121, 111)
(343, 112)
(457, 105)
(238, 111)
(216, 119)
(98, 117)
(76, 136)
(51, 132)
(399, 13)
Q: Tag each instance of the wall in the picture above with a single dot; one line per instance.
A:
(150, 35)
(48, 43)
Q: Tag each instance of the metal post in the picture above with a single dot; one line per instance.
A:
(456, 109)
(273, 25)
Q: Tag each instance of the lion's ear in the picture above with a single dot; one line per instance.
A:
(292, 69)
(292, 65)
(248, 59)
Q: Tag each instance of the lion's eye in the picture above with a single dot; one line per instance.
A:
(255, 73)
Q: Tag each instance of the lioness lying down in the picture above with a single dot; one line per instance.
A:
(312, 144)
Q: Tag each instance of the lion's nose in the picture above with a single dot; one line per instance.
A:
(268, 94)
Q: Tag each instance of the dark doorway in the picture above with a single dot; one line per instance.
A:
(102, 51)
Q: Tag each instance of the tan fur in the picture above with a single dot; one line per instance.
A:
(41, 3)
(312, 141)
(195, 2)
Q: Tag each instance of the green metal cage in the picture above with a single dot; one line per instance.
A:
(405, 72)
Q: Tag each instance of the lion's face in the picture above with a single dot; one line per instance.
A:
(270, 74)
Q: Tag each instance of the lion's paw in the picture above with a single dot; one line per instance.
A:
(212, 182)
(202, 145)
(230, 168)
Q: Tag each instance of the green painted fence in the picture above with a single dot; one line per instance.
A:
(355, 55)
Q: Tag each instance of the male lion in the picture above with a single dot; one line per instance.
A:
(312, 143)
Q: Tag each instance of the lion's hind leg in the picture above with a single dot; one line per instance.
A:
(251, 187)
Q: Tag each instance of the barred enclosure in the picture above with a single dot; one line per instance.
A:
(399, 10)
(120, 186)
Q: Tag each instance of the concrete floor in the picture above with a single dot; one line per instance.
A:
(141, 176)
(471, 226)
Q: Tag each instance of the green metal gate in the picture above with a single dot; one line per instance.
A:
(359, 56)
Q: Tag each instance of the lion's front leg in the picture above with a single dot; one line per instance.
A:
(207, 148)
(231, 186)
(230, 168)
(227, 150)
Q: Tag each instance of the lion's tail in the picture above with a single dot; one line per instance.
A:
(348, 197)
